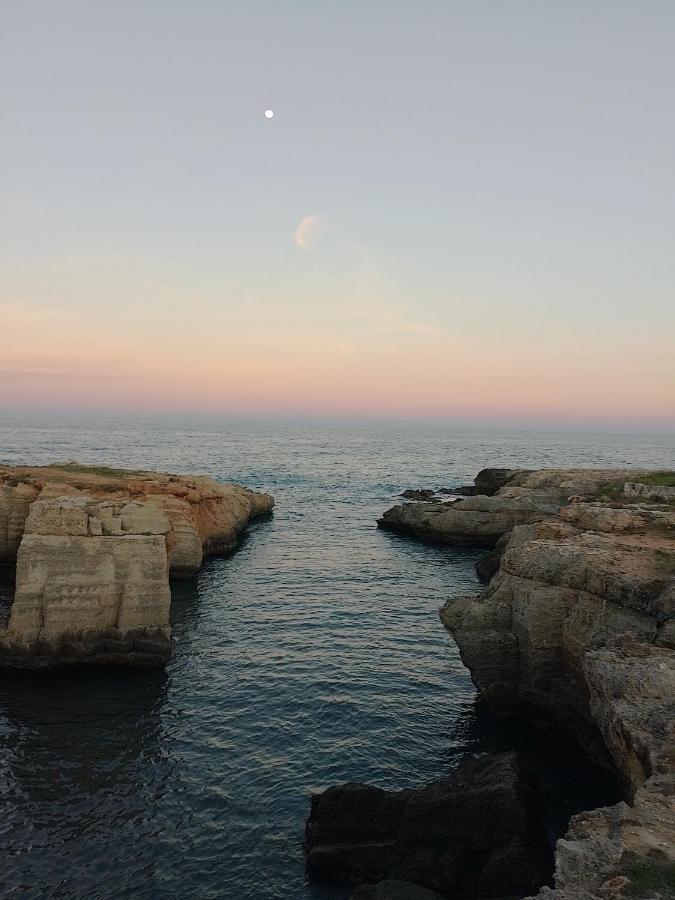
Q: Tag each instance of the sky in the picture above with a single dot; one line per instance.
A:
(460, 211)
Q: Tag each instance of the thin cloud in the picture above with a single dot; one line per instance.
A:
(19, 375)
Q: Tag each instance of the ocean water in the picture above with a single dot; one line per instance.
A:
(312, 655)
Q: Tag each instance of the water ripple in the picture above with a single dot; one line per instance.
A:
(313, 655)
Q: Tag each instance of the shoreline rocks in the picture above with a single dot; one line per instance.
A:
(94, 550)
(502, 499)
(473, 834)
(575, 634)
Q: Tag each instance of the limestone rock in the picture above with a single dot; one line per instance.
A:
(575, 633)
(85, 597)
(478, 521)
(205, 516)
(94, 550)
(504, 498)
(15, 500)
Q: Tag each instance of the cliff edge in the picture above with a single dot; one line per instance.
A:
(575, 633)
(93, 550)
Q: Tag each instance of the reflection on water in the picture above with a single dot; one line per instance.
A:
(313, 655)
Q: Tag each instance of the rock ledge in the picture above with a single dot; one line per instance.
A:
(94, 549)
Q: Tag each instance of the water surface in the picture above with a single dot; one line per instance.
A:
(312, 655)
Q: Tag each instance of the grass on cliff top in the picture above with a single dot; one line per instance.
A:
(649, 877)
(658, 479)
(97, 470)
(614, 489)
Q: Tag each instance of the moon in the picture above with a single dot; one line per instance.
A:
(269, 113)
(306, 231)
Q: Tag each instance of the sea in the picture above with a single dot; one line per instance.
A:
(312, 655)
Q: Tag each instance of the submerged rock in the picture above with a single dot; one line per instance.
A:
(94, 549)
(393, 889)
(470, 835)
(425, 494)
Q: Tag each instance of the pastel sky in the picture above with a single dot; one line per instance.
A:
(461, 211)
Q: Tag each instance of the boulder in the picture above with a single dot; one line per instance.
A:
(474, 521)
(470, 835)
(489, 481)
(425, 494)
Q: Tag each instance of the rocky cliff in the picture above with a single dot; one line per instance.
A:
(575, 633)
(94, 549)
(472, 834)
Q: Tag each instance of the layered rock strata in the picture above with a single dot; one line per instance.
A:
(502, 499)
(576, 634)
(471, 835)
(94, 550)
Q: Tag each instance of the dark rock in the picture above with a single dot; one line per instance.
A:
(140, 648)
(393, 889)
(425, 494)
(464, 490)
(488, 565)
(470, 835)
(472, 521)
(489, 481)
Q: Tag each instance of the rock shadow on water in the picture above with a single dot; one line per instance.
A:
(7, 587)
(64, 737)
(565, 780)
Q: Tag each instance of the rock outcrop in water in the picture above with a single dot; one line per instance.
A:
(502, 499)
(94, 549)
(576, 634)
(470, 835)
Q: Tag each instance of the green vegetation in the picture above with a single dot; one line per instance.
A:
(649, 876)
(658, 479)
(611, 489)
(98, 470)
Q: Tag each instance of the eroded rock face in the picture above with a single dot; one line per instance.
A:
(503, 498)
(93, 557)
(15, 500)
(475, 521)
(470, 835)
(558, 593)
(92, 586)
(206, 516)
(575, 633)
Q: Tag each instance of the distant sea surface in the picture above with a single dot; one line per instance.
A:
(313, 655)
